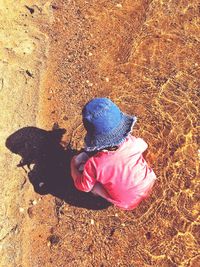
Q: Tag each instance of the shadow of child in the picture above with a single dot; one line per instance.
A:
(51, 171)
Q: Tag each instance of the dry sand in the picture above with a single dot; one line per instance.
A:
(144, 55)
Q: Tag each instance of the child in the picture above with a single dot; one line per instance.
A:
(117, 170)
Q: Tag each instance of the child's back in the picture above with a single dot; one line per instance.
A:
(124, 174)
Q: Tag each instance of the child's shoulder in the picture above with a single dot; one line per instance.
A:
(130, 139)
(134, 138)
(133, 144)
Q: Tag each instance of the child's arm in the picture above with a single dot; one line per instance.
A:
(74, 169)
(85, 180)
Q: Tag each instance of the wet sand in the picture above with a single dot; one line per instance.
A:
(144, 55)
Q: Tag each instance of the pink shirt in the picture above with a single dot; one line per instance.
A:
(124, 174)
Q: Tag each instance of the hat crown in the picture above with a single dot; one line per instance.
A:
(101, 116)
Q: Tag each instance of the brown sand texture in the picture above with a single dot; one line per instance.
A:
(144, 55)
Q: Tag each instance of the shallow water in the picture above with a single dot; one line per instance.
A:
(144, 55)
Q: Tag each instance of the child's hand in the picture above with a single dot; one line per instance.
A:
(80, 160)
(77, 164)
(74, 171)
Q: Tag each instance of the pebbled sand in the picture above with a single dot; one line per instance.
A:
(144, 55)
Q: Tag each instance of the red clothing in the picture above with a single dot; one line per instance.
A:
(124, 174)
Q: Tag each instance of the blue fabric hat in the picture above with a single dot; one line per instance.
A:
(106, 125)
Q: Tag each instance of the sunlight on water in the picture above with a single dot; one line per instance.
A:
(144, 55)
(153, 70)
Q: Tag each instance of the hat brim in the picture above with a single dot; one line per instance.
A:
(114, 138)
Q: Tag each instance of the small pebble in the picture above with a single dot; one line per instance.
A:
(123, 224)
(89, 83)
(90, 54)
(41, 184)
(92, 221)
(21, 210)
(119, 5)
(107, 79)
(34, 202)
(116, 215)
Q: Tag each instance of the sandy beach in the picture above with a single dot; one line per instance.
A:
(144, 55)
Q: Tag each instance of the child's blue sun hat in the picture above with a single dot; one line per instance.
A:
(106, 125)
